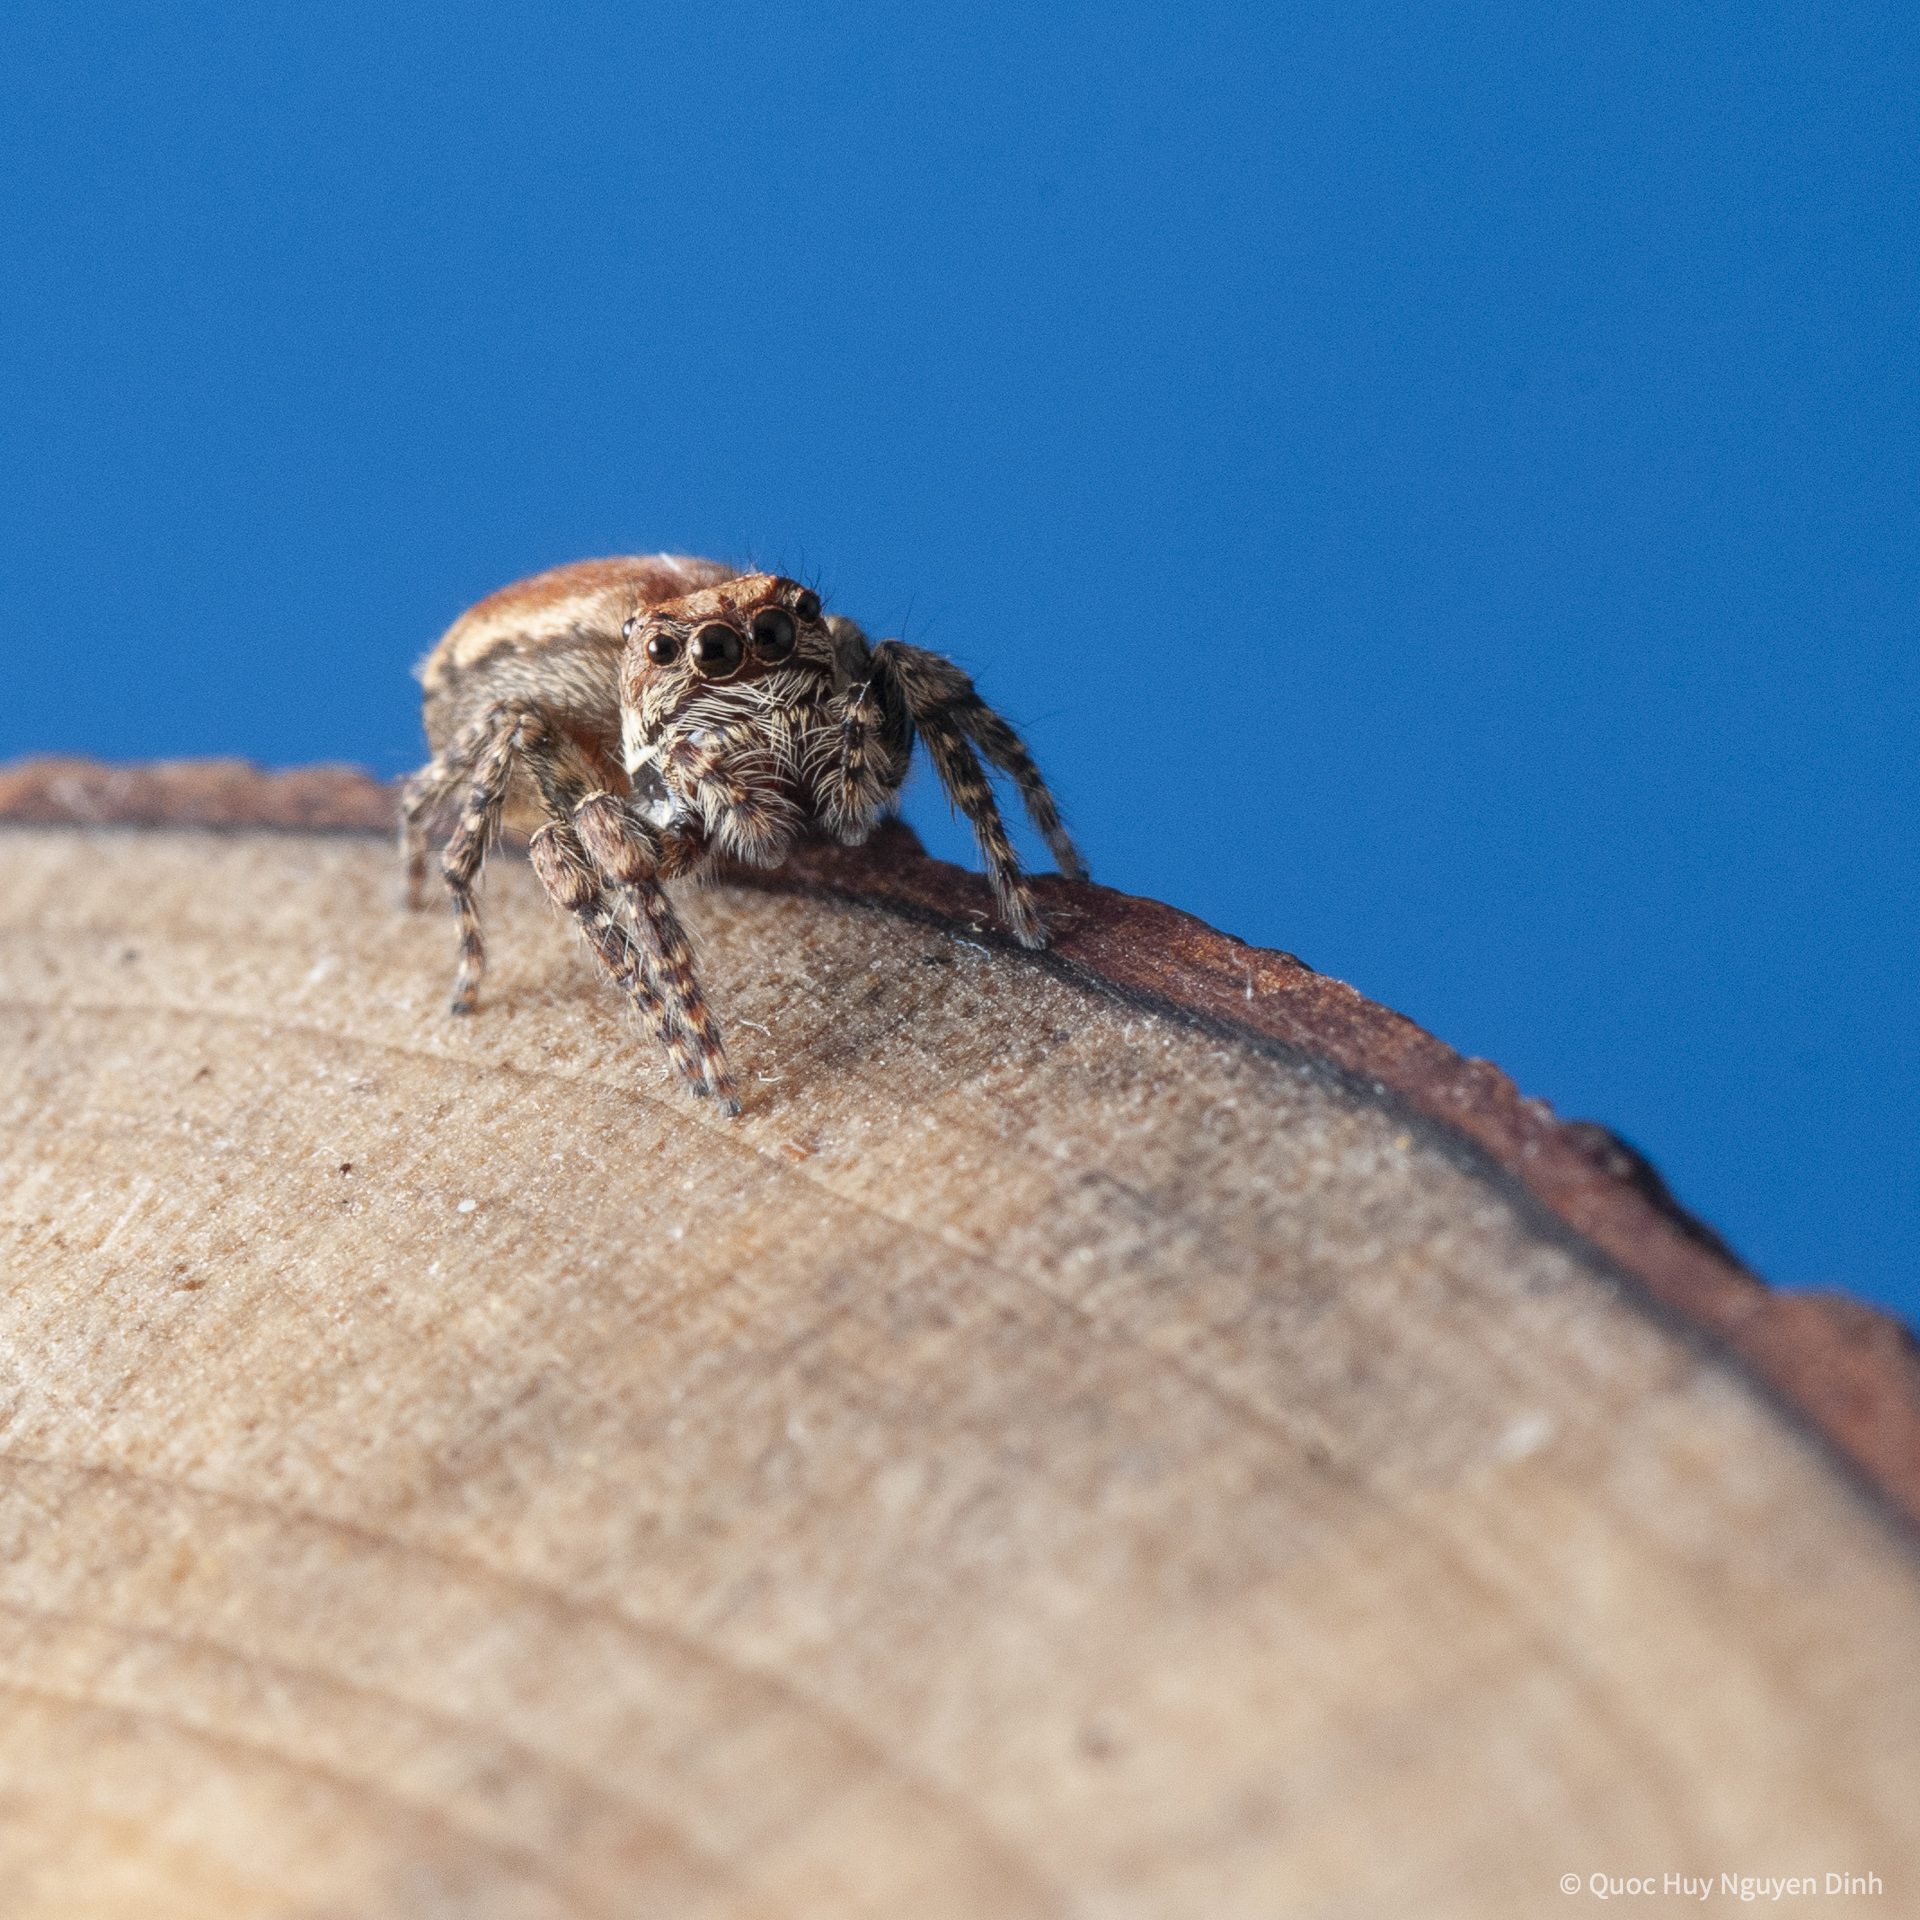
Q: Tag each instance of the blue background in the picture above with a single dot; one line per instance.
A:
(1436, 482)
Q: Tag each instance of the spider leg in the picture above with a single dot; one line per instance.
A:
(929, 681)
(567, 781)
(673, 954)
(1005, 749)
(424, 797)
(633, 855)
(419, 799)
(572, 884)
(937, 697)
(505, 730)
(966, 784)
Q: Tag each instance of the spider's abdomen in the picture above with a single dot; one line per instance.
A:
(552, 644)
(556, 637)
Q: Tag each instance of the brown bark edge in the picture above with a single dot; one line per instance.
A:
(1853, 1375)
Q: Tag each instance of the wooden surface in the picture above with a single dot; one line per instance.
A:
(1047, 1457)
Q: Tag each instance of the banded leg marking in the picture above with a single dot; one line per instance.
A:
(571, 883)
(960, 773)
(466, 851)
(630, 853)
(859, 783)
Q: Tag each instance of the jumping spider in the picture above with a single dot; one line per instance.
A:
(643, 716)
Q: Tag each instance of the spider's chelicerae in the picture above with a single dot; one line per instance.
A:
(642, 716)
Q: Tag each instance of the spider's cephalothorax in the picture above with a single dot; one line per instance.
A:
(642, 716)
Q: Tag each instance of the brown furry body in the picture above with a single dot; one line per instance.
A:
(641, 716)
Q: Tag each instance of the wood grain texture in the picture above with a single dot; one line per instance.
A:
(1047, 1457)
(1850, 1373)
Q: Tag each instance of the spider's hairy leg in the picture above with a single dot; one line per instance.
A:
(1005, 749)
(419, 800)
(504, 731)
(573, 886)
(425, 795)
(595, 834)
(932, 689)
(632, 854)
(928, 680)
(673, 955)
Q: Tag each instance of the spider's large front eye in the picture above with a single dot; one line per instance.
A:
(717, 651)
(807, 604)
(773, 633)
(663, 649)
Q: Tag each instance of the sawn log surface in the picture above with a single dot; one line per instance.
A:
(1083, 1443)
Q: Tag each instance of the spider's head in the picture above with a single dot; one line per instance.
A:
(725, 636)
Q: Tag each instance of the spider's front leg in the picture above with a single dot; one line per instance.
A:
(572, 885)
(633, 855)
(568, 781)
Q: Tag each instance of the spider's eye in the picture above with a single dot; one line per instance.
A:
(717, 651)
(663, 649)
(626, 626)
(807, 605)
(773, 633)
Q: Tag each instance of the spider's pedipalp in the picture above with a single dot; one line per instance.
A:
(851, 769)
(741, 792)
